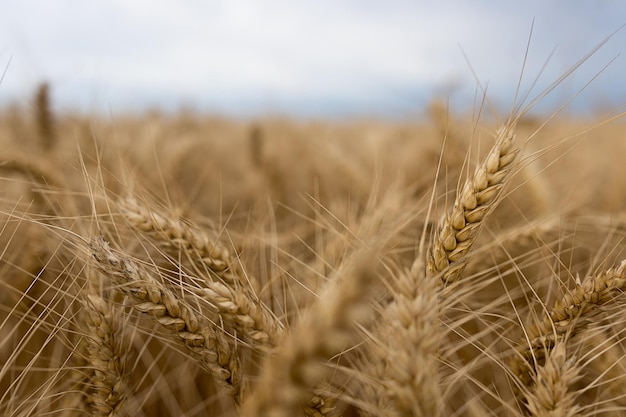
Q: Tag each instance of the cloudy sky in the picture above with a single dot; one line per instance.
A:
(307, 58)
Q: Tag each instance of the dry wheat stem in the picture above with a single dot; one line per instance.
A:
(411, 376)
(567, 317)
(107, 385)
(550, 393)
(291, 374)
(204, 339)
(480, 194)
(253, 321)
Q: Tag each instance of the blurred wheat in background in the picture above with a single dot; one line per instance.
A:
(186, 265)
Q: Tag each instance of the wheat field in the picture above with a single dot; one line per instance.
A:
(188, 265)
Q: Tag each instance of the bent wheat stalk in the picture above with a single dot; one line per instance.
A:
(480, 194)
(204, 339)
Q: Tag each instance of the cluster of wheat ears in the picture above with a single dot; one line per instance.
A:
(186, 266)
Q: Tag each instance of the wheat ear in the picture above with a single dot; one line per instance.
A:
(149, 296)
(250, 317)
(291, 374)
(176, 234)
(459, 229)
(549, 395)
(411, 376)
(107, 386)
(567, 317)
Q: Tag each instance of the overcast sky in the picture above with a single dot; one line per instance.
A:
(305, 58)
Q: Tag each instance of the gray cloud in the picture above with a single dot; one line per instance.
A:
(351, 57)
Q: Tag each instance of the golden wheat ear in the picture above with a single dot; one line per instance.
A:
(107, 385)
(223, 284)
(175, 234)
(411, 360)
(480, 194)
(206, 341)
(568, 317)
(550, 393)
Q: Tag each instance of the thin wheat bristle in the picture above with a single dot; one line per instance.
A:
(519, 241)
(38, 169)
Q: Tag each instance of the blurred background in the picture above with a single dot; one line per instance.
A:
(308, 59)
